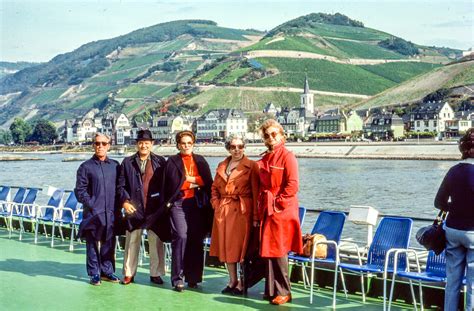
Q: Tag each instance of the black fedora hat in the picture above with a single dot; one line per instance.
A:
(144, 135)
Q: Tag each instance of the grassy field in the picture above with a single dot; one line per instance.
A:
(138, 91)
(232, 76)
(363, 50)
(47, 96)
(114, 77)
(420, 86)
(348, 32)
(294, 43)
(256, 100)
(214, 72)
(399, 72)
(323, 76)
(222, 33)
(86, 103)
(164, 92)
(134, 62)
(98, 89)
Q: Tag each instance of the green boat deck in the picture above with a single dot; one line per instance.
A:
(38, 277)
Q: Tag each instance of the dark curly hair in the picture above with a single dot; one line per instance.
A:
(466, 144)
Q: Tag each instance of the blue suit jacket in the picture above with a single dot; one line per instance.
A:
(96, 189)
(456, 196)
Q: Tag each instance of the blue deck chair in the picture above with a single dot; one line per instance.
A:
(8, 207)
(392, 234)
(329, 224)
(302, 215)
(48, 212)
(65, 217)
(26, 210)
(435, 272)
(4, 197)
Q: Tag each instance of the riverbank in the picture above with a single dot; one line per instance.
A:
(340, 150)
(389, 151)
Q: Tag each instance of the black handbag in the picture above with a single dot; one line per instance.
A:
(433, 237)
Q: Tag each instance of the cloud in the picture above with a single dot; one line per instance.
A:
(455, 23)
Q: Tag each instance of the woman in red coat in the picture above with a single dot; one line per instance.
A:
(278, 211)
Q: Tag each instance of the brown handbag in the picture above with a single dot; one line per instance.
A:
(310, 240)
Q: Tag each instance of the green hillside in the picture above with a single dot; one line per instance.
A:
(250, 100)
(418, 87)
(322, 75)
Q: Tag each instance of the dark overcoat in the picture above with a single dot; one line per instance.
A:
(130, 187)
(96, 189)
(175, 177)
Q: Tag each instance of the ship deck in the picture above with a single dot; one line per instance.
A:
(38, 277)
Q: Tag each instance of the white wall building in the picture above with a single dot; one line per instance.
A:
(220, 124)
(431, 117)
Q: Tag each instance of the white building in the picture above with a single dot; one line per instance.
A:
(220, 124)
(431, 117)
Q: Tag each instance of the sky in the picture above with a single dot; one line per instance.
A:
(38, 30)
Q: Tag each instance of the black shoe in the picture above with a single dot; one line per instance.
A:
(192, 285)
(110, 278)
(237, 292)
(227, 290)
(156, 280)
(95, 279)
(179, 287)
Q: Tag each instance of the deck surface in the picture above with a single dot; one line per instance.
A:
(38, 277)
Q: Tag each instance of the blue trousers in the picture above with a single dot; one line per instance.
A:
(100, 258)
(459, 262)
(187, 235)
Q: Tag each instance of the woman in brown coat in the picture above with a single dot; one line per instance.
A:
(234, 199)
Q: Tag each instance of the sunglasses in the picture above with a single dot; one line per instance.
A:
(272, 134)
(235, 147)
(100, 143)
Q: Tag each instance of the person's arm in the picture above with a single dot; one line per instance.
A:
(215, 195)
(442, 197)
(82, 185)
(291, 181)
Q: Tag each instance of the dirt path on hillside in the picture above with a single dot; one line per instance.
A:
(299, 54)
(281, 89)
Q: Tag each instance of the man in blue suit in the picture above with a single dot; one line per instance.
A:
(95, 188)
(139, 187)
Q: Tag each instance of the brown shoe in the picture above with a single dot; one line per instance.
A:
(279, 300)
(127, 280)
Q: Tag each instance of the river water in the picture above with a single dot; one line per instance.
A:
(394, 187)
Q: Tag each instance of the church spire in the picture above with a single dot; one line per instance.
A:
(306, 85)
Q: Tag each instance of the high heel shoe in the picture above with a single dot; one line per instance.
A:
(228, 289)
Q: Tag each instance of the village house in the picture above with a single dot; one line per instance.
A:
(220, 123)
(431, 117)
(385, 126)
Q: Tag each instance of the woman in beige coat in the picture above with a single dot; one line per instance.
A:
(234, 199)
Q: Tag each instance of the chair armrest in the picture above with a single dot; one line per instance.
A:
(328, 242)
(354, 246)
(42, 208)
(32, 209)
(76, 213)
(396, 252)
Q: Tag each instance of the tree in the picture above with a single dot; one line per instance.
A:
(20, 130)
(5, 137)
(44, 132)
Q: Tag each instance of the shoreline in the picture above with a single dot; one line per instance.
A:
(447, 151)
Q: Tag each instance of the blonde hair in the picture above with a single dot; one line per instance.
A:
(271, 123)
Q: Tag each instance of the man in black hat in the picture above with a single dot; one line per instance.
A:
(139, 187)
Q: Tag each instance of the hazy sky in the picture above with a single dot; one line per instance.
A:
(37, 30)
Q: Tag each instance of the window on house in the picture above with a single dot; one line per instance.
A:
(426, 123)
(417, 123)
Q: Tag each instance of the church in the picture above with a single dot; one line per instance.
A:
(296, 121)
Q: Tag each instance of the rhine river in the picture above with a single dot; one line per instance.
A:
(393, 187)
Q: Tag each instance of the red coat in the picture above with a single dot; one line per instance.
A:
(278, 204)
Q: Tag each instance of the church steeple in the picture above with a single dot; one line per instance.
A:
(306, 85)
(307, 98)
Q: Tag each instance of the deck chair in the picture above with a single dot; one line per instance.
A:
(65, 217)
(302, 215)
(48, 212)
(435, 272)
(26, 210)
(4, 198)
(8, 206)
(329, 224)
(392, 234)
